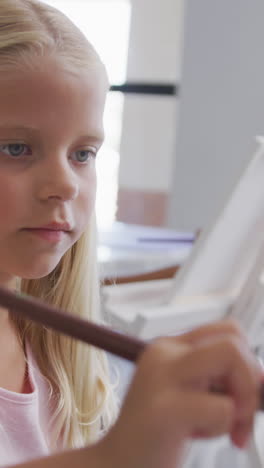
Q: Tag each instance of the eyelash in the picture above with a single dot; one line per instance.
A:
(22, 156)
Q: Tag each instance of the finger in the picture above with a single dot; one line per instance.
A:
(205, 415)
(224, 361)
(243, 348)
(222, 327)
(241, 433)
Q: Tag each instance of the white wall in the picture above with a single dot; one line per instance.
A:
(221, 106)
(149, 121)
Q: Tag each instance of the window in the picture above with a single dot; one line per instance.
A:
(106, 24)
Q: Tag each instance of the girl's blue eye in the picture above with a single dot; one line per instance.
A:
(84, 155)
(14, 149)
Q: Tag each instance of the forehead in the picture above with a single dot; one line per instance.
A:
(50, 97)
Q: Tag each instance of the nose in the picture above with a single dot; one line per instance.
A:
(58, 181)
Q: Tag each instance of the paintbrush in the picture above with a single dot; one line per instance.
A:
(102, 337)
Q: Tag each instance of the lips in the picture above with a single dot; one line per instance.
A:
(56, 227)
(52, 232)
(66, 227)
(48, 235)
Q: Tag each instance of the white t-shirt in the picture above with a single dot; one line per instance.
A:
(24, 420)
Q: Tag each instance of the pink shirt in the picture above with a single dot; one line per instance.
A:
(24, 419)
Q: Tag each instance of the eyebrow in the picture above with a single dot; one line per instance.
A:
(95, 138)
(18, 128)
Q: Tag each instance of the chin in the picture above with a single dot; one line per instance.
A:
(38, 271)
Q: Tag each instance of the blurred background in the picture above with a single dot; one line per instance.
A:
(140, 44)
(185, 105)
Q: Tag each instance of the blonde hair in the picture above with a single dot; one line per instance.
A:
(81, 393)
(30, 29)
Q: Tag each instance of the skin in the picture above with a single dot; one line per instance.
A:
(61, 115)
(53, 121)
(169, 399)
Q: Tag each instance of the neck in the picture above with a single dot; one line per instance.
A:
(5, 322)
(12, 364)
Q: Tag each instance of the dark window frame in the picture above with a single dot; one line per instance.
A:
(160, 89)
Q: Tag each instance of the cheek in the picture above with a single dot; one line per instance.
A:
(88, 196)
(11, 197)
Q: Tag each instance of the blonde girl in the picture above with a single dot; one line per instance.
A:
(40, 45)
(55, 393)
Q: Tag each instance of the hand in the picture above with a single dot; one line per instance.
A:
(171, 399)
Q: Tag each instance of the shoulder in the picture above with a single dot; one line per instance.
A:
(37, 380)
(46, 400)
